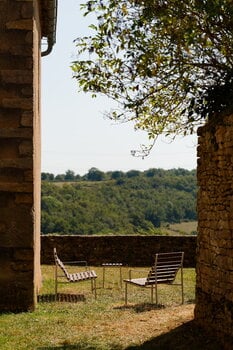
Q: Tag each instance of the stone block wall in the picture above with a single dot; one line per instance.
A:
(214, 308)
(130, 250)
(19, 154)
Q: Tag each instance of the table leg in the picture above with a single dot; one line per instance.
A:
(103, 276)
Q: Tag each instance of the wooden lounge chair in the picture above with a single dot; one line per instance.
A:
(164, 271)
(67, 277)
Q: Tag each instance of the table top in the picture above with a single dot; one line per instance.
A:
(112, 264)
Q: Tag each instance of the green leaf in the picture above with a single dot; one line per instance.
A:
(158, 60)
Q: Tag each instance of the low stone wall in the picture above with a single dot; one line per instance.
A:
(130, 250)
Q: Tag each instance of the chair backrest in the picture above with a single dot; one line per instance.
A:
(166, 267)
(59, 263)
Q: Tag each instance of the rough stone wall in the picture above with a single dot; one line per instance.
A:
(130, 250)
(214, 308)
(19, 154)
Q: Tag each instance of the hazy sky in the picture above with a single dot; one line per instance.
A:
(75, 134)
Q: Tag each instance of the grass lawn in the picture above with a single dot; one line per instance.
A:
(105, 323)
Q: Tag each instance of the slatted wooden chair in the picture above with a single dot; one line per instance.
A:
(67, 277)
(164, 271)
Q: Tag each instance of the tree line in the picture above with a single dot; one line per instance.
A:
(117, 202)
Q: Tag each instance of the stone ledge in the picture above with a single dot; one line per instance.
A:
(21, 24)
(27, 119)
(17, 76)
(19, 163)
(16, 187)
(18, 103)
(16, 133)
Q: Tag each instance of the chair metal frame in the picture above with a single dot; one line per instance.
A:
(76, 277)
(164, 271)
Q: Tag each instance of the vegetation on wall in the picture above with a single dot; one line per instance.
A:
(117, 202)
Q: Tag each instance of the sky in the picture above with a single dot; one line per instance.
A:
(75, 133)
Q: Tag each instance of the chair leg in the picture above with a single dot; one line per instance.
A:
(95, 289)
(156, 293)
(93, 286)
(103, 276)
(120, 277)
(152, 294)
(126, 293)
(182, 286)
(55, 282)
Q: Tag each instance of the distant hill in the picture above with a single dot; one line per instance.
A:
(115, 202)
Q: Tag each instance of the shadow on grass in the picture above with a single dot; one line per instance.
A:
(81, 347)
(143, 307)
(185, 337)
(63, 297)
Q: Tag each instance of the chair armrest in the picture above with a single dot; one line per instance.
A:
(78, 262)
(137, 271)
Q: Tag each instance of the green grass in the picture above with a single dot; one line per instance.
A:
(102, 324)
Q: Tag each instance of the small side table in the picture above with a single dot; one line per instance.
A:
(108, 265)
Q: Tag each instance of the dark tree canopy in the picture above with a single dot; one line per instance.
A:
(168, 63)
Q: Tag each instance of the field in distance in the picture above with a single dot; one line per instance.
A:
(188, 228)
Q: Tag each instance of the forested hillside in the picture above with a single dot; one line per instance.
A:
(116, 202)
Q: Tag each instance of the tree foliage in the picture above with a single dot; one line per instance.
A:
(95, 174)
(124, 205)
(165, 62)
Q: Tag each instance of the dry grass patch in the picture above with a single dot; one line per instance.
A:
(136, 328)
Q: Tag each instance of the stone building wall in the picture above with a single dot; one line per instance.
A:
(214, 308)
(19, 154)
(130, 250)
